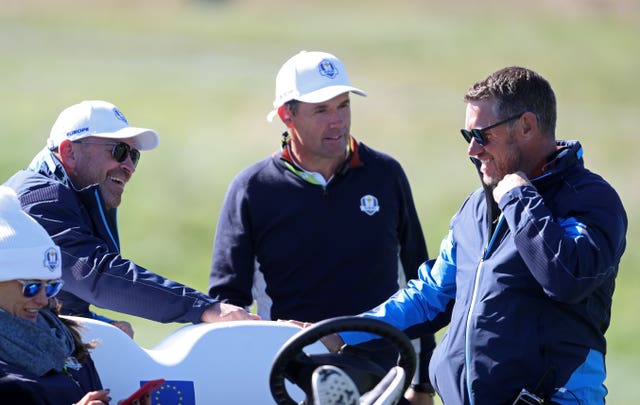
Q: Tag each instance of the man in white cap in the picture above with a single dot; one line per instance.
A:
(73, 188)
(325, 226)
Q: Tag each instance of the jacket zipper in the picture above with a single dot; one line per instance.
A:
(104, 220)
(467, 357)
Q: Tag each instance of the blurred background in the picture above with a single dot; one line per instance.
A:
(202, 73)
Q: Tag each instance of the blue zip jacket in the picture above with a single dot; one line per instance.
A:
(93, 270)
(527, 301)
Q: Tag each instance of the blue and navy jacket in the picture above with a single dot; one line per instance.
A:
(93, 270)
(527, 300)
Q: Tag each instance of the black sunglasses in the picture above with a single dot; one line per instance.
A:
(477, 133)
(120, 151)
(31, 288)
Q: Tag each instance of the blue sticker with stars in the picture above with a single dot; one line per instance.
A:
(174, 392)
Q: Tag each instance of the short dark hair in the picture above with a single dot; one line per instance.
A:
(292, 105)
(516, 89)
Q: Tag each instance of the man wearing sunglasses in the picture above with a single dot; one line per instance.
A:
(73, 188)
(525, 277)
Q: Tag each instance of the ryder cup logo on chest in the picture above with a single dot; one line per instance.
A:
(369, 204)
(327, 69)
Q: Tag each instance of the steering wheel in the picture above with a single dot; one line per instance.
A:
(294, 364)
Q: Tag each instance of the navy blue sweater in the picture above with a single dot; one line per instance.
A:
(310, 252)
(320, 252)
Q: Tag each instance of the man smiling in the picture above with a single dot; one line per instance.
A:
(73, 187)
(526, 274)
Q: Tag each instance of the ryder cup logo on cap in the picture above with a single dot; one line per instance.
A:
(51, 258)
(26, 250)
(101, 119)
(311, 77)
(326, 68)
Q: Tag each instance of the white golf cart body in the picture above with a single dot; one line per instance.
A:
(225, 363)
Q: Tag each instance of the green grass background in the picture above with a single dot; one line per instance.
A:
(202, 74)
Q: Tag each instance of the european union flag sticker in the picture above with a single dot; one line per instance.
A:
(174, 392)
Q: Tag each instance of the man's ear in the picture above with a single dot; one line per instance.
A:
(285, 115)
(67, 154)
(529, 124)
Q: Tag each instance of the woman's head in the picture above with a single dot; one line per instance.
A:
(30, 267)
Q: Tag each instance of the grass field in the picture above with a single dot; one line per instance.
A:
(202, 74)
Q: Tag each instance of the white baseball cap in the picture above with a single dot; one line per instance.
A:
(26, 249)
(311, 77)
(101, 119)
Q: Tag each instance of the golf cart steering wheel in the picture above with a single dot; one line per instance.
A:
(294, 364)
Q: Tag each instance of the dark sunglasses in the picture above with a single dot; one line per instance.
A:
(120, 151)
(31, 288)
(477, 133)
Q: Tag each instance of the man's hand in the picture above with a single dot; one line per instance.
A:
(124, 326)
(221, 312)
(418, 398)
(332, 342)
(511, 180)
(95, 398)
